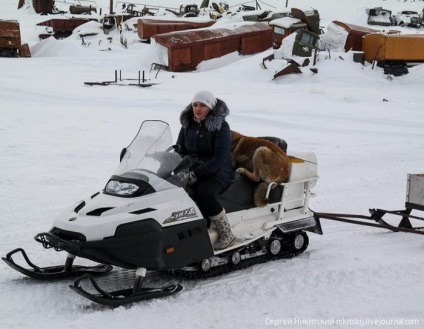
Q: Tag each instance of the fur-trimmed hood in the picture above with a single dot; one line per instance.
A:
(214, 119)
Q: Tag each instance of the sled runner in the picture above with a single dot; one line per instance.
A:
(145, 220)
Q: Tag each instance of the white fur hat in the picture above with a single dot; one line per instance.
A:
(205, 97)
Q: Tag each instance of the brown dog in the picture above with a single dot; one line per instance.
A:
(260, 160)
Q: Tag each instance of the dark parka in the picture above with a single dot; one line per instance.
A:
(208, 141)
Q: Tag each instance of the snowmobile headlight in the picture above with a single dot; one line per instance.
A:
(121, 188)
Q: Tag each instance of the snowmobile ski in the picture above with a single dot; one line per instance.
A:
(123, 296)
(53, 272)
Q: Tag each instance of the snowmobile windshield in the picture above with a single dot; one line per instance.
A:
(149, 158)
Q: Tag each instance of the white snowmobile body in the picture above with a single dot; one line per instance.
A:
(145, 218)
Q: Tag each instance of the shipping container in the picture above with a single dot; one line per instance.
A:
(354, 35)
(394, 47)
(184, 50)
(147, 27)
(394, 52)
(10, 38)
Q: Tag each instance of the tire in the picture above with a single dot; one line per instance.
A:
(275, 247)
(206, 265)
(235, 258)
(300, 241)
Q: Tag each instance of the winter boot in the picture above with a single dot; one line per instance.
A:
(226, 236)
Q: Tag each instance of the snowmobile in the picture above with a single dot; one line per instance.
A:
(145, 219)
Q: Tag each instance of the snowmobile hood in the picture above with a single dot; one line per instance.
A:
(99, 218)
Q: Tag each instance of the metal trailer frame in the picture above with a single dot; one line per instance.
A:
(414, 201)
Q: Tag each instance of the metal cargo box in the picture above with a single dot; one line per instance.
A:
(394, 47)
(355, 35)
(147, 27)
(10, 35)
(187, 49)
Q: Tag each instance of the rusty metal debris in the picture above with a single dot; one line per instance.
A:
(141, 81)
(304, 45)
(292, 66)
(78, 9)
(296, 20)
(62, 28)
(380, 16)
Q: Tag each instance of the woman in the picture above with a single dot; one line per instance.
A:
(205, 136)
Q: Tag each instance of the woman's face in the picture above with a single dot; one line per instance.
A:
(200, 110)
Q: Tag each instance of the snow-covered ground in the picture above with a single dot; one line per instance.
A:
(60, 141)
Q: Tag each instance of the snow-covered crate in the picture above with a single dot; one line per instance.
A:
(415, 191)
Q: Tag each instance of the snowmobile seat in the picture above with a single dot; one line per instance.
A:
(280, 142)
(239, 195)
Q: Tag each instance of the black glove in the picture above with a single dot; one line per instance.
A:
(191, 178)
(177, 148)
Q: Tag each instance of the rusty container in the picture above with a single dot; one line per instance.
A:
(146, 28)
(355, 34)
(43, 6)
(186, 49)
(62, 27)
(78, 10)
(10, 35)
